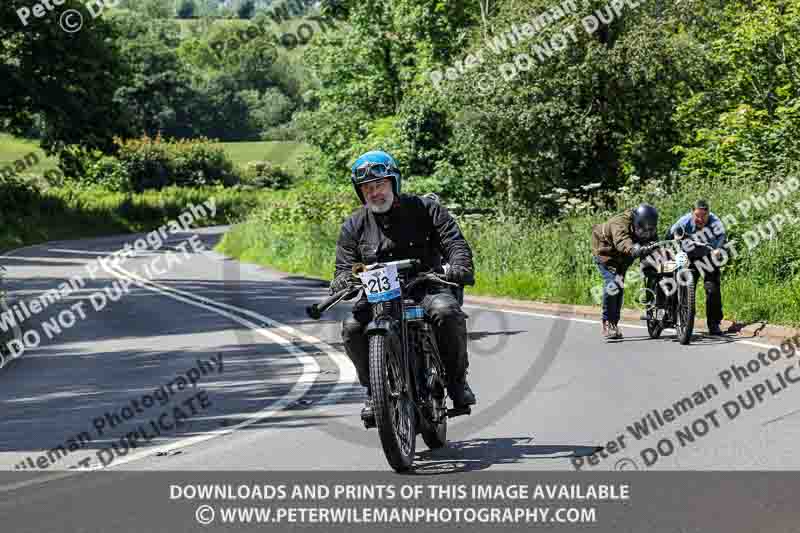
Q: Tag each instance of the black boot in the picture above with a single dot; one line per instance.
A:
(367, 412)
(461, 393)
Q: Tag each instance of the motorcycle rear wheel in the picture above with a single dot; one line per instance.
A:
(395, 414)
(435, 434)
(686, 310)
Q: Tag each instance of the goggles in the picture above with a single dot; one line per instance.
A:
(375, 170)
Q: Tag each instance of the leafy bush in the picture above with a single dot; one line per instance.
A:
(74, 161)
(147, 161)
(108, 172)
(199, 162)
(265, 174)
(150, 163)
(268, 109)
(283, 132)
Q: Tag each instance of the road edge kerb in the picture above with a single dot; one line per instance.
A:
(759, 330)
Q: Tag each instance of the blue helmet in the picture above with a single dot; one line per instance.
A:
(373, 166)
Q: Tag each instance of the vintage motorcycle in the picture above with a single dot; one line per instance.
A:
(407, 374)
(673, 303)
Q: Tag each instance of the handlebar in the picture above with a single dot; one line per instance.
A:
(316, 310)
(429, 276)
(676, 242)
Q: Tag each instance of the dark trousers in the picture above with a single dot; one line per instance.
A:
(613, 290)
(449, 324)
(712, 283)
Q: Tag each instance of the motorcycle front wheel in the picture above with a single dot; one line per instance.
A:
(654, 328)
(395, 414)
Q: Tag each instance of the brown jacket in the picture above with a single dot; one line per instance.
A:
(612, 241)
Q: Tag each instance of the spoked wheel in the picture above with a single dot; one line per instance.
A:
(654, 328)
(395, 416)
(686, 306)
(435, 434)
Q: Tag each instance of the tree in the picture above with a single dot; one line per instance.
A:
(159, 96)
(75, 101)
(745, 106)
(157, 9)
(187, 9)
(247, 9)
(222, 112)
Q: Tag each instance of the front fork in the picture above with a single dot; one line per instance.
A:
(396, 332)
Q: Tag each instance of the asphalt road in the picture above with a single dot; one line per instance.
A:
(274, 391)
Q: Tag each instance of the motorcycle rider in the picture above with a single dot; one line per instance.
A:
(704, 226)
(392, 226)
(615, 245)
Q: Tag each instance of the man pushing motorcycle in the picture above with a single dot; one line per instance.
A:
(392, 226)
(702, 226)
(615, 245)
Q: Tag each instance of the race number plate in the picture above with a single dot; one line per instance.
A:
(381, 284)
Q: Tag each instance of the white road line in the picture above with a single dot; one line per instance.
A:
(590, 321)
(347, 372)
(310, 372)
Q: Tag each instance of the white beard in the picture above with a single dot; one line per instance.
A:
(384, 207)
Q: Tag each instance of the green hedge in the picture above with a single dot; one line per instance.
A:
(29, 215)
(150, 163)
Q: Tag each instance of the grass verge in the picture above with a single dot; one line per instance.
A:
(29, 215)
(545, 260)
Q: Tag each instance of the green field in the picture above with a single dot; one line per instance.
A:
(14, 149)
(279, 152)
(283, 153)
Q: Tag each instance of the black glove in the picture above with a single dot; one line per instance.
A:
(341, 282)
(639, 250)
(650, 248)
(460, 275)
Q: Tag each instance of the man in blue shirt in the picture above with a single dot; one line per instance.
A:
(701, 225)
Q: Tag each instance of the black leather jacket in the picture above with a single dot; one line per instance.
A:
(415, 227)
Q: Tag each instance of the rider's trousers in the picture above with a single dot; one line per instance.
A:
(449, 324)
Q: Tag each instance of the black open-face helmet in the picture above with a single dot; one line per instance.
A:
(645, 223)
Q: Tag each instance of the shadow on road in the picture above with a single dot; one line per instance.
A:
(478, 335)
(697, 339)
(481, 454)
